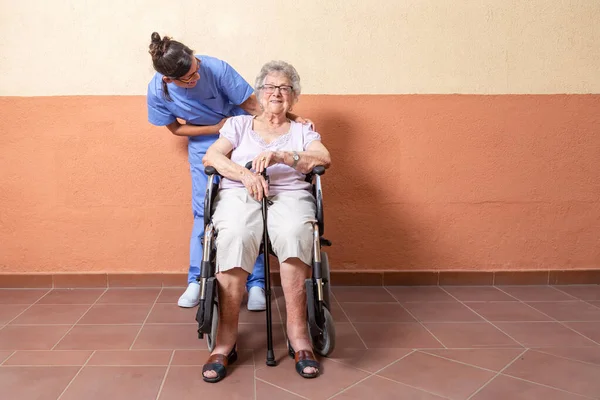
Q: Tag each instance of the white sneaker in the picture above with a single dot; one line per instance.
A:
(191, 297)
(256, 299)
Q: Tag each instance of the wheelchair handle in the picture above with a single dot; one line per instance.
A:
(211, 171)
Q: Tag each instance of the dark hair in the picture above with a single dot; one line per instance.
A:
(170, 58)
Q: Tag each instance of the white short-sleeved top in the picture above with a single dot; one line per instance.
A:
(247, 144)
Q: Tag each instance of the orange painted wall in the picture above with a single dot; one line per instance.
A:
(418, 182)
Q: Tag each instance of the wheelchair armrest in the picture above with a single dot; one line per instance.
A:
(212, 186)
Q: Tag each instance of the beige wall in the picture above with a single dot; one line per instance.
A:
(98, 47)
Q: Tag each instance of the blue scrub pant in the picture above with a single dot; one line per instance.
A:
(199, 181)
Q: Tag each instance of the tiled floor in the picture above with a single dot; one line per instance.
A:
(506, 343)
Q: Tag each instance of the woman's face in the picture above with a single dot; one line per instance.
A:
(191, 78)
(277, 95)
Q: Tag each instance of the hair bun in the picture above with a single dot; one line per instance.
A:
(158, 47)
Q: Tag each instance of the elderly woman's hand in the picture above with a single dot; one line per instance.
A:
(264, 160)
(255, 184)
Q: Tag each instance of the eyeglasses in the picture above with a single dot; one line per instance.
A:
(284, 89)
(191, 78)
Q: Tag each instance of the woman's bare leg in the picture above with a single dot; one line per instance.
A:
(293, 274)
(231, 290)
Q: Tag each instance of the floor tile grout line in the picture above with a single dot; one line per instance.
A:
(76, 375)
(369, 375)
(548, 386)
(557, 321)
(27, 308)
(569, 294)
(498, 374)
(539, 350)
(9, 357)
(462, 362)
(485, 319)
(164, 379)
(415, 318)
(79, 319)
(349, 321)
(146, 319)
(279, 387)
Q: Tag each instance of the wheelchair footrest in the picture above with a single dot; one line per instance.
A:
(204, 315)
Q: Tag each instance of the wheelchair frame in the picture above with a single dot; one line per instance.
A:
(321, 326)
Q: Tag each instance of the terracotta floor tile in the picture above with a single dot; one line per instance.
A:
(199, 357)
(254, 337)
(362, 294)
(376, 312)
(169, 337)
(129, 296)
(31, 337)
(99, 337)
(588, 329)
(9, 311)
(583, 292)
(167, 313)
(185, 383)
(396, 335)
(116, 383)
(43, 314)
(170, 295)
(266, 391)
(409, 294)
(437, 375)
(569, 310)
(49, 382)
(536, 293)
(505, 387)
(507, 311)
(493, 359)
(72, 296)
(376, 387)
(21, 296)
(337, 313)
(556, 372)
(543, 334)
(334, 377)
(131, 357)
(49, 357)
(470, 335)
(346, 337)
(442, 312)
(112, 314)
(371, 360)
(478, 293)
(595, 303)
(584, 354)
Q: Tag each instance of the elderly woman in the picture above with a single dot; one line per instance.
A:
(290, 150)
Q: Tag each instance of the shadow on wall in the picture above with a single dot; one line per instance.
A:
(368, 217)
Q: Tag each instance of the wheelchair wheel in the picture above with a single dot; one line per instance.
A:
(324, 344)
(211, 338)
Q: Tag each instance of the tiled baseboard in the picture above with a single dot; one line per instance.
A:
(338, 278)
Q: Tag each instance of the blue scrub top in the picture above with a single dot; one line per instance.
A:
(217, 95)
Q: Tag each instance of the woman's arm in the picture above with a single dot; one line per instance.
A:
(316, 154)
(216, 156)
(194, 130)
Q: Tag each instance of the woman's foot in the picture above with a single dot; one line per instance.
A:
(215, 368)
(306, 364)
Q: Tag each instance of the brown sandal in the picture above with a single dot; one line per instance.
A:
(304, 359)
(219, 363)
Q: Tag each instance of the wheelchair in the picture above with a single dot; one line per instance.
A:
(321, 326)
